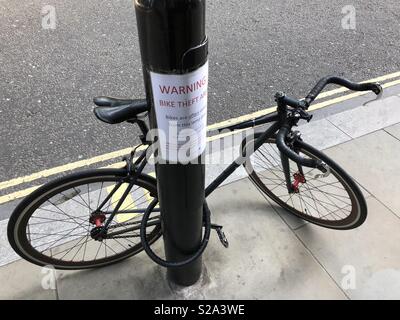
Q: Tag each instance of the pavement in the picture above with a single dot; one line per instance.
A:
(272, 255)
(49, 76)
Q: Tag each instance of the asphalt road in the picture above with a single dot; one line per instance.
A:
(49, 77)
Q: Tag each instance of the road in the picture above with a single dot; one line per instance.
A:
(49, 77)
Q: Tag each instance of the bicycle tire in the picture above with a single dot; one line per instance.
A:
(19, 226)
(358, 212)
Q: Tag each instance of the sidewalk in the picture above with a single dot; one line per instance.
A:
(272, 255)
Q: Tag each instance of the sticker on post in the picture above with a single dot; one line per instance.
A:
(180, 102)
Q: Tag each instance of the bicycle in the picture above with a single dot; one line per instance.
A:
(92, 218)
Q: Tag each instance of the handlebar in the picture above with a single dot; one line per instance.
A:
(375, 87)
(282, 99)
(288, 101)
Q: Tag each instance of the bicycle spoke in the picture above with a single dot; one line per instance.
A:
(88, 192)
(72, 198)
(101, 189)
(323, 198)
(79, 194)
(59, 227)
(53, 243)
(72, 249)
(49, 219)
(63, 212)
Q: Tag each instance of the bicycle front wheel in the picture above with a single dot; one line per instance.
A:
(56, 224)
(334, 201)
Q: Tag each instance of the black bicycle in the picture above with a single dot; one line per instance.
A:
(98, 217)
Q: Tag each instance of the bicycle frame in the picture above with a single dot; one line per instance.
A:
(276, 141)
(277, 119)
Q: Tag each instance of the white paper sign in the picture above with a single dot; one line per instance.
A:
(181, 110)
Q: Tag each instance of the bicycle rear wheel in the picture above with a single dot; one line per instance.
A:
(55, 224)
(333, 202)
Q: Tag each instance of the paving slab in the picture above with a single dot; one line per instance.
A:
(219, 160)
(23, 280)
(394, 130)
(265, 260)
(365, 261)
(368, 118)
(7, 254)
(373, 161)
(291, 220)
(134, 278)
(322, 134)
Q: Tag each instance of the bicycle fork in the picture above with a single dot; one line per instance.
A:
(292, 187)
(298, 177)
(293, 183)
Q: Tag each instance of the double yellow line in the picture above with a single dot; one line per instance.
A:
(119, 153)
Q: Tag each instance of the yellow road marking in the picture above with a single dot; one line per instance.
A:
(129, 202)
(320, 105)
(66, 167)
(272, 109)
(342, 89)
(117, 165)
(349, 96)
(18, 194)
(148, 196)
(119, 153)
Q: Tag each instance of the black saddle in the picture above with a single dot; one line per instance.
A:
(113, 110)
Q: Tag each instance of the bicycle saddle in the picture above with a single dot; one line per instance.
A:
(113, 110)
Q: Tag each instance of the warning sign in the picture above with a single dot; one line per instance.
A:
(181, 110)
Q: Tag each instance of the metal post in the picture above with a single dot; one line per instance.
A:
(173, 43)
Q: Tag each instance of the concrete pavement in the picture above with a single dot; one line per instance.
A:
(272, 254)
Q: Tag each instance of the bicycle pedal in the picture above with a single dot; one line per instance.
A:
(221, 235)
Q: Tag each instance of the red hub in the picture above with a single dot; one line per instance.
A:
(97, 219)
(298, 178)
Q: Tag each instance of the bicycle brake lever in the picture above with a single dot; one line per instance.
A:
(305, 115)
(324, 174)
(378, 97)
